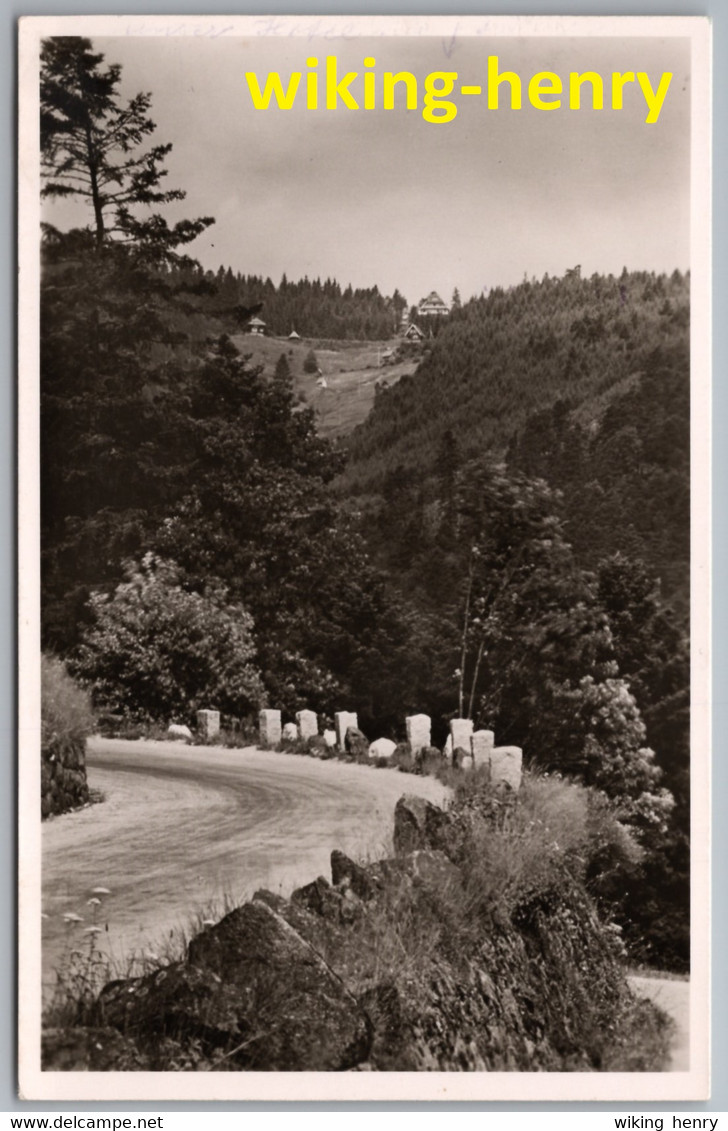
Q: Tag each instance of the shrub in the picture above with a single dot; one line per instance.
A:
(517, 847)
(157, 650)
(310, 364)
(66, 720)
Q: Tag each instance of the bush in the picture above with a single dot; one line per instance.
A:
(66, 720)
(517, 847)
(157, 650)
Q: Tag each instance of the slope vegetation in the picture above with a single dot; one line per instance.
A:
(512, 353)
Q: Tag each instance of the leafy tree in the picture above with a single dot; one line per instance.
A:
(531, 646)
(157, 650)
(90, 147)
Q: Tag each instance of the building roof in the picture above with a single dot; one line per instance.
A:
(256, 322)
(433, 302)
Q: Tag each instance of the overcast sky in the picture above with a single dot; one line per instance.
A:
(385, 197)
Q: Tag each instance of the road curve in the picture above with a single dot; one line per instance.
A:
(673, 997)
(182, 829)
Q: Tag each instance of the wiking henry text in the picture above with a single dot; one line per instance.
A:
(325, 87)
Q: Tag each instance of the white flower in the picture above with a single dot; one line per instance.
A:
(72, 917)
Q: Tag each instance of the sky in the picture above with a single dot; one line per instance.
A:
(384, 197)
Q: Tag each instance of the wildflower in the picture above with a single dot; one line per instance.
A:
(92, 930)
(94, 901)
(72, 917)
(100, 891)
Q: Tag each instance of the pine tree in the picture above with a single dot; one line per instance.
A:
(91, 148)
(310, 364)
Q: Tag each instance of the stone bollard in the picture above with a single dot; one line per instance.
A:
(208, 723)
(481, 746)
(290, 732)
(419, 732)
(447, 749)
(461, 731)
(330, 738)
(307, 724)
(342, 721)
(506, 766)
(270, 728)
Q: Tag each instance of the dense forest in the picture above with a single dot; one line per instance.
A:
(505, 355)
(509, 540)
(527, 492)
(314, 309)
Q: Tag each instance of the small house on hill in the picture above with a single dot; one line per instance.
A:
(413, 333)
(256, 326)
(432, 305)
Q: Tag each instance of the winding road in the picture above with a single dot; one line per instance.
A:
(184, 830)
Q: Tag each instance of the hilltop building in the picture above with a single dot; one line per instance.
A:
(432, 305)
(256, 326)
(413, 333)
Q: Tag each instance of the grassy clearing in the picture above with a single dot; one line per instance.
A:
(351, 370)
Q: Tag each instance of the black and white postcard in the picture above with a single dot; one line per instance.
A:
(364, 578)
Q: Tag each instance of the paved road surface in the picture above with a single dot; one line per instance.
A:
(182, 828)
(673, 997)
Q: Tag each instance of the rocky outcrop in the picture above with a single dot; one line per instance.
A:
(252, 986)
(397, 965)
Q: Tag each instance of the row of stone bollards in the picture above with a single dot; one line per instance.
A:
(469, 749)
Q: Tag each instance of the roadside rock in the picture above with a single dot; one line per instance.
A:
(251, 984)
(356, 742)
(346, 873)
(320, 899)
(179, 733)
(459, 757)
(318, 746)
(419, 824)
(382, 748)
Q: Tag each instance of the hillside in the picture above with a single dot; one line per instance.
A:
(351, 370)
(527, 494)
(512, 353)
